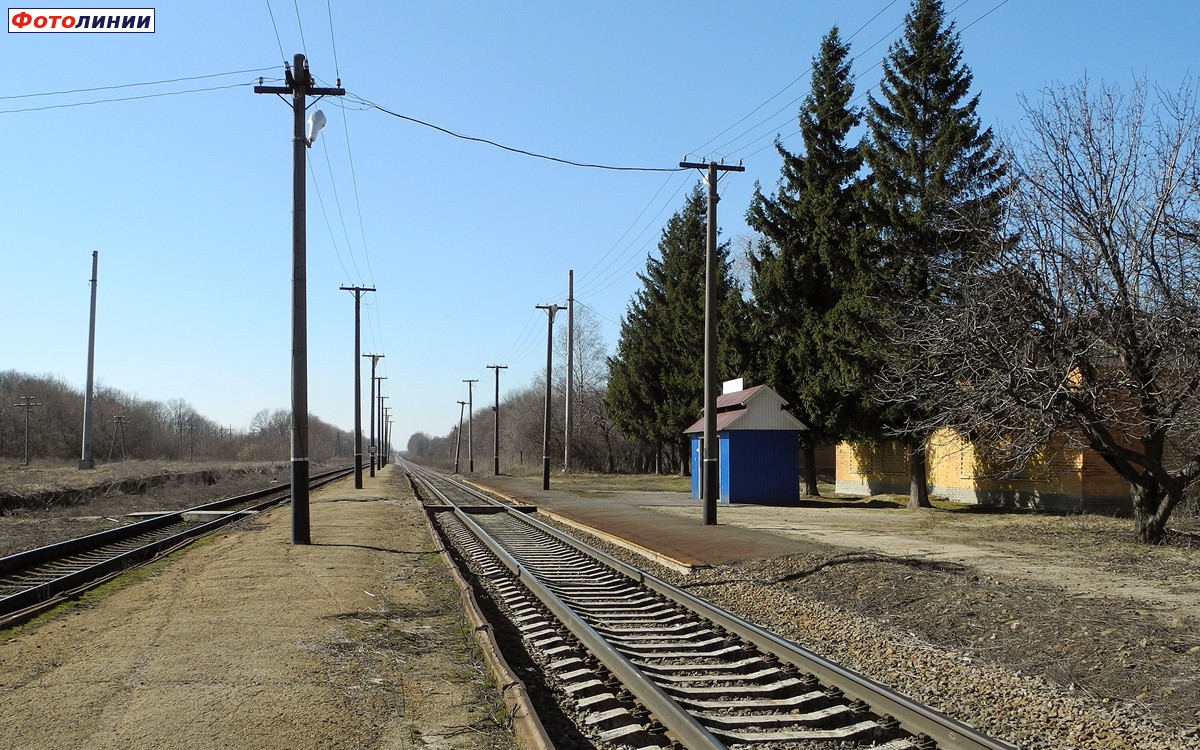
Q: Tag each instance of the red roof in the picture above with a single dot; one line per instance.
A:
(730, 408)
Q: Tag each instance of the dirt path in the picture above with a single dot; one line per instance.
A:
(246, 641)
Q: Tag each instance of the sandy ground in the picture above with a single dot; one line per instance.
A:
(247, 641)
(1059, 551)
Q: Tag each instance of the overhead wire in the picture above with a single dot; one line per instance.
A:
(300, 25)
(114, 87)
(70, 105)
(629, 228)
(341, 215)
(328, 225)
(519, 338)
(278, 40)
(633, 255)
(787, 107)
(740, 152)
(629, 259)
(593, 285)
(797, 79)
(598, 313)
(374, 318)
(374, 315)
(332, 40)
(511, 149)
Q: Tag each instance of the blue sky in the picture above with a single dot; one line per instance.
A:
(187, 197)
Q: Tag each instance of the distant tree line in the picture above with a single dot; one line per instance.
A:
(911, 272)
(127, 427)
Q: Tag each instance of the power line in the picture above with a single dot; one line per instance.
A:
(279, 41)
(300, 24)
(328, 225)
(134, 85)
(794, 81)
(597, 312)
(333, 41)
(862, 94)
(512, 149)
(787, 107)
(341, 215)
(629, 228)
(630, 258)
(121, 99)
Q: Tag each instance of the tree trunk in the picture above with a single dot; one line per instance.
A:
(918, 486)
(809, 453)
(1150, 512)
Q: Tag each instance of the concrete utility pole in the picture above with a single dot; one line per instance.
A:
(389, 433)
(471, 423)
(379, 397)
(85, 460)
(191, 429)
(458, 439)
(710, 466)
(371, 408)
(299, 82)
(358, 292)
(27, 403)
(550, 311)
(569, 429)
(496, 415)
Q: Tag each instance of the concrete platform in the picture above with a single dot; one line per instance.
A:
(630, 519)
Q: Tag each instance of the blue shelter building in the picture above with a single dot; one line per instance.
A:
(759, 453)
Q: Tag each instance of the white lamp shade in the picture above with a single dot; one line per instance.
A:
(316, 121)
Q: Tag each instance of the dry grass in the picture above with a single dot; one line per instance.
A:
(24, 481)
(602, 483)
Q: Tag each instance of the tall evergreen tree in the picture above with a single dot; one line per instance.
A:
(803, 279)
(656, 377)
(937, 185)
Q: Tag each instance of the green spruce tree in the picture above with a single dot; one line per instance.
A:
(937, 183)
(803, 275)
(656, 376)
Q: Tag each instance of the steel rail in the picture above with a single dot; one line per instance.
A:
(681, 725)
(38, 597)
(918, 719)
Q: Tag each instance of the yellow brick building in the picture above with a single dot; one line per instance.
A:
(1064, 479)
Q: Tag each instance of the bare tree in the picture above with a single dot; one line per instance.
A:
(1086, 329)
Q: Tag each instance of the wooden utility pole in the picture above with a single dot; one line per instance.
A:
(371, 407)
(569, 415)
(382, 435)
(458, 442)
(550, 311)
(299, 82)
(387, 434)
(710, 479)
(496, 415)
(358, 292)
(27, 403)
(471, 423)
(120, 421)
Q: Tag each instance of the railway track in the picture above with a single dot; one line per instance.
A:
(642, 663)
(37, 579)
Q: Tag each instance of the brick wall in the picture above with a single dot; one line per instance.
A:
(1061, 479)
